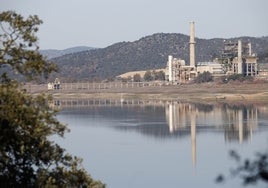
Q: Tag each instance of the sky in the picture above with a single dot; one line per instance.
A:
(100, 23)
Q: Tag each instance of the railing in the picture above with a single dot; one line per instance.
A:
(78, 86)
(109, 85)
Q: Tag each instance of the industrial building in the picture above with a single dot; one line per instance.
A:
(176, 70)
(54, 85)
(236, 58)
(212, 67)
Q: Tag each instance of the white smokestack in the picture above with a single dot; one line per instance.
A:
(249, 49)
(170, 59)
(192, 44)
(239, 56)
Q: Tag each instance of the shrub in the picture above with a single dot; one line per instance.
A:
(204, 77)
(237, 77)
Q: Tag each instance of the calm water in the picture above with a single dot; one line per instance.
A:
(163, 144)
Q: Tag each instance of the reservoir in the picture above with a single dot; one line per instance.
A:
(163, 143)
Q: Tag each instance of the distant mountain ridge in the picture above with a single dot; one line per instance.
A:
(150, 52)
(53, 53)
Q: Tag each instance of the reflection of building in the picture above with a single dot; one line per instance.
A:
(178, 115)
(241, 124)
(237, 123)
(193, 137)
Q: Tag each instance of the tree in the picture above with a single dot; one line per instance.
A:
(204, 77)
(251, 171)
(28, 158)
(137, 78)
(237, 77)
(148, 76)
(19, 49)
(160, 75)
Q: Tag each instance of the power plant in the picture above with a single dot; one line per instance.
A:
(177, 71)
(236, 58)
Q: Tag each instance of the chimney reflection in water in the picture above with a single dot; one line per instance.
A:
(177, 117)
(193, 137)
(236, 123)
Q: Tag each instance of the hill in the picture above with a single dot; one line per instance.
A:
(52, 53)
(149, 52)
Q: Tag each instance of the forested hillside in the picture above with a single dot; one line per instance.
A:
(149, 52)
(52, 53)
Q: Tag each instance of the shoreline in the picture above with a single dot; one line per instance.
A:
(205, 93)
(227, 98)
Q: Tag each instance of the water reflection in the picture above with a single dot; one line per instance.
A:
(141, 137)
(237, 122)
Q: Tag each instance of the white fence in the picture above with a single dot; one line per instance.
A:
(109, 85)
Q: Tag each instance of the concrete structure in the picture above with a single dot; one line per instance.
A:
(172, 71)
(212, 67)
(54, 85)
(176, 70)
(171, 74)
(192, 44)
(237, 58)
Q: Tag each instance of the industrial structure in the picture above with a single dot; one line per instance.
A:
(236, 58)
(213, 67)
(54, 85)
(177, 71)
(192, 44)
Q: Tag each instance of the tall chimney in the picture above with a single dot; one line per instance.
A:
(192, 44)
(239, 56)
(249, 49)
(170, 76)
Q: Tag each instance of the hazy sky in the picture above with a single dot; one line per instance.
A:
(100, 23)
